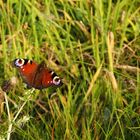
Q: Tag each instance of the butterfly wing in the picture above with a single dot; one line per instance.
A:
(45, 77)
(27, 69)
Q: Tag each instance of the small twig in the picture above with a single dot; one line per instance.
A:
(128, 68)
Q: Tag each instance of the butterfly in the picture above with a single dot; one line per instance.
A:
(36, 75)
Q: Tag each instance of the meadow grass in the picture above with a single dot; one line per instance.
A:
(94, 47)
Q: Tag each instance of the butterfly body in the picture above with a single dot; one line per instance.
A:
(36, 75)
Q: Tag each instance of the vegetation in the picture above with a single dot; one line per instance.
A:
(94, 46)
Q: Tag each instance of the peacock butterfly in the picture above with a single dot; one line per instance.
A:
(36, 75)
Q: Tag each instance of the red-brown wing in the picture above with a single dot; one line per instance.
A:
(28, 73)
(42, 78)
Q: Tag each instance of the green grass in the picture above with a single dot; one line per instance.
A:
(94, 47)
